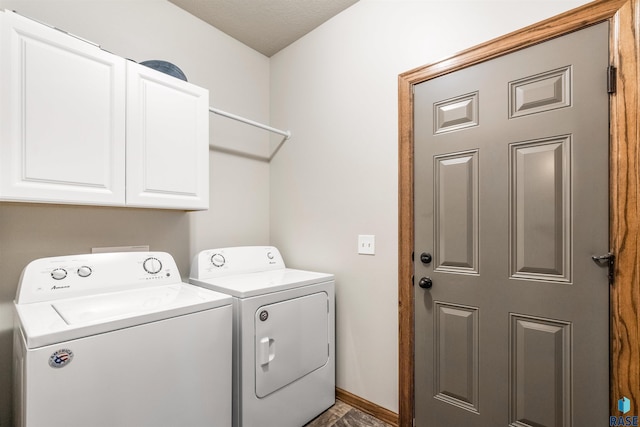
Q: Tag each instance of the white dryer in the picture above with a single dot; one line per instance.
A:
(117, 339)
(283, 332)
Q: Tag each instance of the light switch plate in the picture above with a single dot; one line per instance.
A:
(367, 244)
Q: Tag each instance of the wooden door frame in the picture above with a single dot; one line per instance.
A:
(624, 182)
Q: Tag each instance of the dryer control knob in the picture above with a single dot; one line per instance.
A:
(152, 265)
(84, 271)
(217, 260)
(59, 273)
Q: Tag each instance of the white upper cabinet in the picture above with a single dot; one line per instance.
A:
(167, 141)
(80, 125)
(62, 117)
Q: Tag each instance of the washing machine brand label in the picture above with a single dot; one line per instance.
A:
(61, 358)
(54, 287)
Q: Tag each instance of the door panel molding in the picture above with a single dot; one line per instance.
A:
(540, 93)
(539, 346)
(624, 185)
(455, 184)
(456, 365)
(540, 256)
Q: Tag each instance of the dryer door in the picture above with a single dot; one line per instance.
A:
(292, 340)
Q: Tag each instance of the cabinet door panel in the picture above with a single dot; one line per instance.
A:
(167, 141)
(63, 111)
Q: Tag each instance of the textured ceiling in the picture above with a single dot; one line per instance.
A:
(265, 25)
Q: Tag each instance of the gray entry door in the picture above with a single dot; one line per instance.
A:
(511, 201)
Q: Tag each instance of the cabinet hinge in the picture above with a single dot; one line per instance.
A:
(611, 79)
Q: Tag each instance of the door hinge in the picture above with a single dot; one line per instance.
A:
(611, 79)
(610, 261)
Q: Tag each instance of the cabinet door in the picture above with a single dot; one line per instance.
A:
(167, 141)
(62, 111)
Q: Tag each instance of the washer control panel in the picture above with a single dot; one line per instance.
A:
(77, 275)
(221, 262)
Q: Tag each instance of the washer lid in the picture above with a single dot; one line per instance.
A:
(45, 323)
(264, 282)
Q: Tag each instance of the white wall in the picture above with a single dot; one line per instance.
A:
(238, 80)
(336, 89)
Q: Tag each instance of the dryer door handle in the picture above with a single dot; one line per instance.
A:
(266, 350)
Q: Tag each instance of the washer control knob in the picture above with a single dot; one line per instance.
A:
(59, 273)
(270, 255)
(152, 265)
(84, 271)
(217, 260)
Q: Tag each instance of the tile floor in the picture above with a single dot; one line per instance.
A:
(343, 415)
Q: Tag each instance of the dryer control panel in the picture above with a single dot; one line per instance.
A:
(212, 263)
(48, 279)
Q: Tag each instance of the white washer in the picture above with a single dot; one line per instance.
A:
(283, 331)
(117, 339)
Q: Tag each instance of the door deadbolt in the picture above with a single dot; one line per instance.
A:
(426, 258)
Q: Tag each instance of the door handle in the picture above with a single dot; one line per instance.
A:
(426, 258)
(266, 351)
(425, 283)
